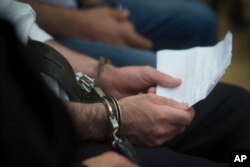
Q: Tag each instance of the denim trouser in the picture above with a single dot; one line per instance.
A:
(169, 24)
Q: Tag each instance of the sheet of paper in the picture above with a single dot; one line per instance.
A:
(200, 69)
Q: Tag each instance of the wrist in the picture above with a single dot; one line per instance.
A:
(89, 120)
(114, 116)
(104, 77)
(125, 123)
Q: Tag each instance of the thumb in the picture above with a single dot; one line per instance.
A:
(120, 14)
(159, 78)
(166, 80)
(152, 90)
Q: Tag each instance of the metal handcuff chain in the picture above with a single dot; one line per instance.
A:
(110, 102)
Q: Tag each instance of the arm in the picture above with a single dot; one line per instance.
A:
(118, 82)
(148, 115)
(79, 62)
(90, 120)
(147, 119)
(57, 21)
(73, 23)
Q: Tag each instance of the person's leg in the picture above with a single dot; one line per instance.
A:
(221, 124)
(119, 56)
(150, 157)
(168, 24)
(173, 24)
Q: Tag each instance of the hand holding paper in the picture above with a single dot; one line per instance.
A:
(200, 69)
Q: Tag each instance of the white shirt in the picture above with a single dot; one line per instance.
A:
(23, 17)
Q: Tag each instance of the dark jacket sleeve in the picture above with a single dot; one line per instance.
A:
(35, 128)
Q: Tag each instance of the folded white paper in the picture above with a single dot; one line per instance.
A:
(199, 68)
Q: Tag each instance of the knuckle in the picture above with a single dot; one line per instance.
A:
(173, 130)
(161, 117)
(160, 136)
(158, 132)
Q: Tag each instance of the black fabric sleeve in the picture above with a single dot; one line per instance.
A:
(35, 128)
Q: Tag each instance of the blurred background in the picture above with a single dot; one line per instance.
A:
(234, 15)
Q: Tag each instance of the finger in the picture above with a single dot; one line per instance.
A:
(152, 90)
(122, 43)
(120, 14)
(136, 40)
(170, 102)
(168, 133)
(161, 140)
(159, 78)
(177, 116)
(191, 109)
(175, 104)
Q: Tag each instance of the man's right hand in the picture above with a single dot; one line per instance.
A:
(152, 120)
(110, 26)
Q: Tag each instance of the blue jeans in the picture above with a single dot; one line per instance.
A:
(169, 24)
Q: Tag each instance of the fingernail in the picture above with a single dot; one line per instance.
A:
(176, 79)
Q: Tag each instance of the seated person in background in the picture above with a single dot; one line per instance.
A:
(126, 36)
(151, 120)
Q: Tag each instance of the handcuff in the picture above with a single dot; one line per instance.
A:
(111, 104)
(81, 88)
(121, 144)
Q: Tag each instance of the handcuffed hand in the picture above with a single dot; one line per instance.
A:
(131, 80)
(152, 120)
